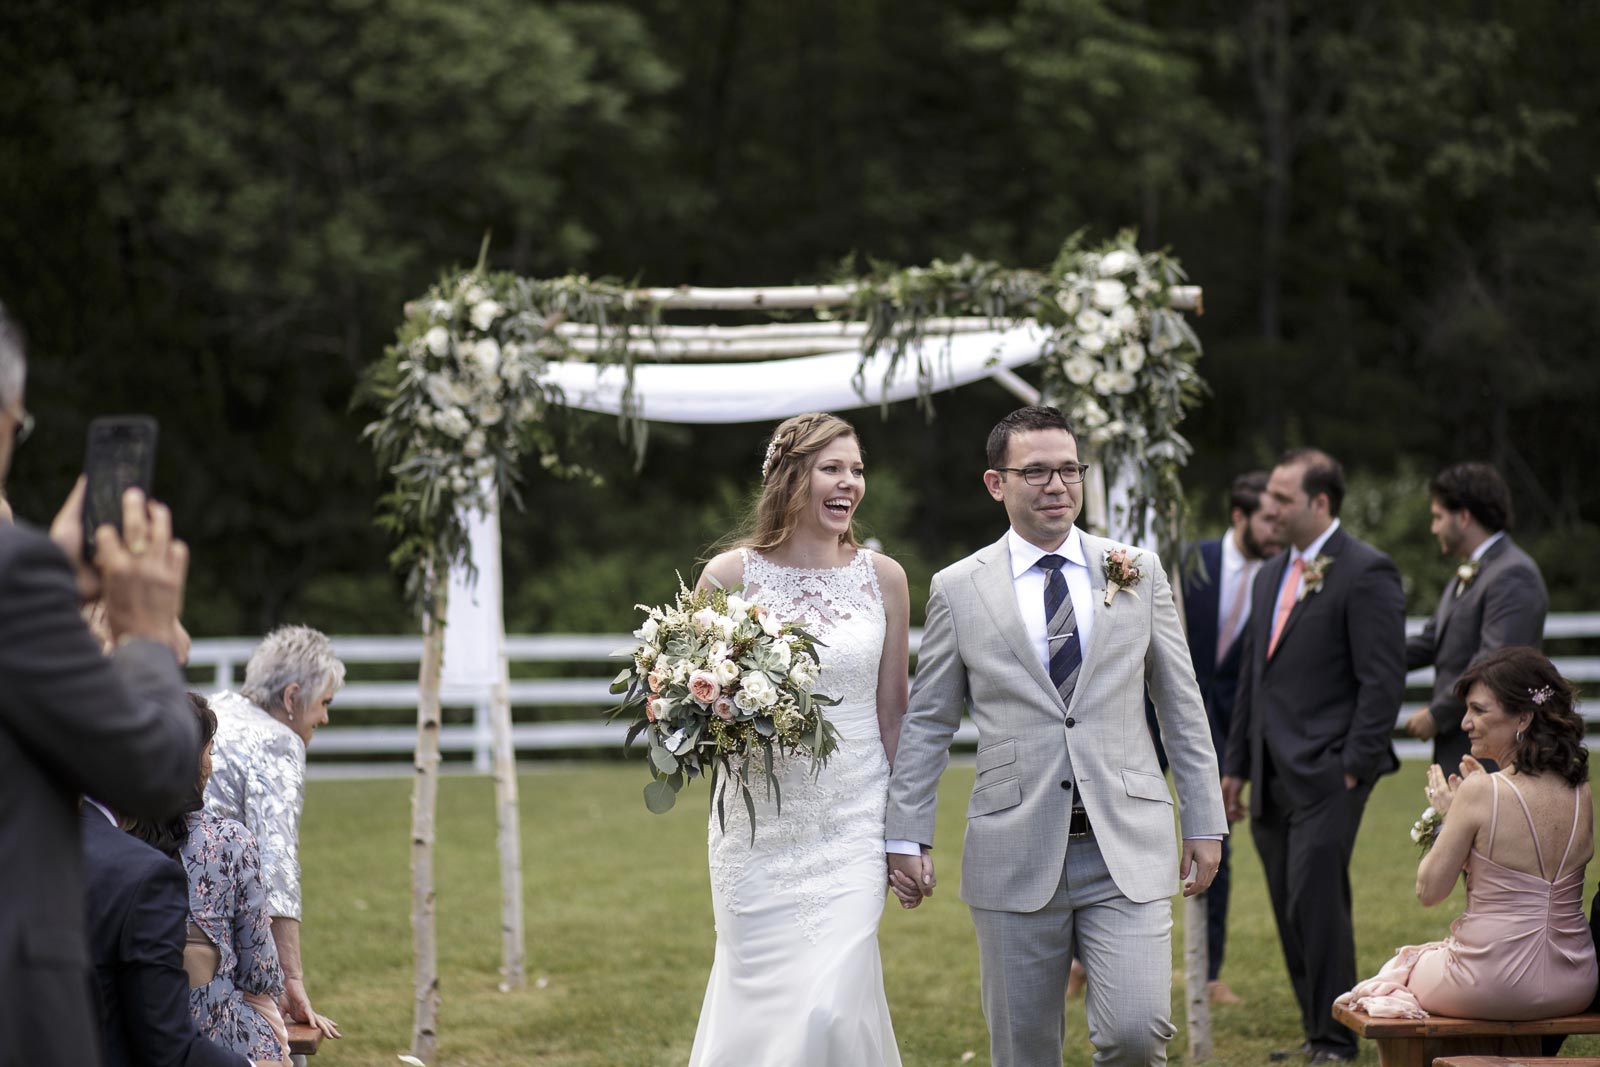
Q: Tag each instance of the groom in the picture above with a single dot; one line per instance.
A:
(1050, 644)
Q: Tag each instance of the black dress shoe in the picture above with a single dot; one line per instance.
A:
(1278, 1055)
(1328, 1055)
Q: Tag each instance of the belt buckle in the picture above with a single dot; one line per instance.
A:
(1078, 824)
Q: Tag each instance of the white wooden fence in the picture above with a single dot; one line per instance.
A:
(226, 658)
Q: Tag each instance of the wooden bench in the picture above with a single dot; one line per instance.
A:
(1521, 1061)
(304, 1040)
(1417, 1042)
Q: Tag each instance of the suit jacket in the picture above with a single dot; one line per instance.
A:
(71, 721)
(1036, 754)
(138, 913)
(1505, 605)
(1324, 704)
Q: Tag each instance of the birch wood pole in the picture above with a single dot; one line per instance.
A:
(424, 804)
(1196, 949)
(505, 788)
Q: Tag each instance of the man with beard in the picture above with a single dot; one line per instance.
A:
(1496, 598)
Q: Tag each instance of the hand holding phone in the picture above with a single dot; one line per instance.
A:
(121, 455)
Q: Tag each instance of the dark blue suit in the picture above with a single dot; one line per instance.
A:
(138, 911)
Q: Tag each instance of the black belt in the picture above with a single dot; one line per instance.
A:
(1078, 825)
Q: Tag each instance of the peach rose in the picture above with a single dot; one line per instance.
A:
(703, 687)
(724, 709)
(650, 708)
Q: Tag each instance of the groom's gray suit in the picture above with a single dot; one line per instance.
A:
(1036, 756)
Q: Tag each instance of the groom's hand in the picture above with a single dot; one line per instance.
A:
(1201, 856)
(911, 877)
(1233, 797)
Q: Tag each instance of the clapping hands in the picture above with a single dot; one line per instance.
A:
(1441, 790)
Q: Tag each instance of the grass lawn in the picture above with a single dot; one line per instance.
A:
(619, 928)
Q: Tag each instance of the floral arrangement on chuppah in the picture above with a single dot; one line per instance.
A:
(720, 686)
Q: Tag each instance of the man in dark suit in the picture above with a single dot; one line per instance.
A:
(1216, 608)
(138, 911)
(74, 720)
(1497, 598)
(1323, 671)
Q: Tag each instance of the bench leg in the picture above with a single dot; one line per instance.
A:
(1402, 1052)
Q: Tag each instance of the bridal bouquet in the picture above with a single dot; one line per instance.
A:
(721, 686)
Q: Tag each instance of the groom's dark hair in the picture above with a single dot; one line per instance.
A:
(1477, 489)
(1319, 473)
(1023, 420)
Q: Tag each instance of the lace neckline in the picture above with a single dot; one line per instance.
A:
(775, 565)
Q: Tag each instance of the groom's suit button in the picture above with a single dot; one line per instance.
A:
(1071, 722)
(1065, 784)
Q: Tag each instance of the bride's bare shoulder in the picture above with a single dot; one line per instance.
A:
(726, 567)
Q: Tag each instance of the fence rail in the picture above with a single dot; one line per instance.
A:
(226, 658)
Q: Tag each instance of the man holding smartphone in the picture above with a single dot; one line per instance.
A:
(75, 721)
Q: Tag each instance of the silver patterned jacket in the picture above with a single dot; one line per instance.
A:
(258, 776)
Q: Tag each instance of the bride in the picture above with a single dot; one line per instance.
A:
(797, 978)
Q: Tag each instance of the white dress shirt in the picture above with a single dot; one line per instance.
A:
(1478, 552)
(1028, 580)
(1230, 588)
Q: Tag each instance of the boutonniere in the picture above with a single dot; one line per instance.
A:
(1122, 572)
(1316, 571)
(1466, 573)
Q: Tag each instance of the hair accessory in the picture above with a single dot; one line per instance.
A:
(1540, 695)
(766, 462)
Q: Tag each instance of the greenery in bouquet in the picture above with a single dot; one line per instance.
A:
(722, 687)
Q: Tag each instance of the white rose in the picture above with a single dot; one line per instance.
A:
(1109, 294)
(771, 625)
(718, 652)
(1116, 262)
(737, 605)
(726, 673)
(437, 340)
(1105, 383)
(756, 691)
(1125, 319)
(781, 654)
(484, 312)
(491, 413)
(726, 627)
(1067, 301)
(1080, 370)
(453, 422)
(1089, 321)
(487, 354)
(1132, 357)
(473, 448)
(703, 621)
(1092, 342)
(474, 294)
(1122, 382)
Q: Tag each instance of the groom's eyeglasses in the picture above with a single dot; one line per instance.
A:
(1071, 474)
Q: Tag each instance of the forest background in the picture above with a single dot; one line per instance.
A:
(213, 212)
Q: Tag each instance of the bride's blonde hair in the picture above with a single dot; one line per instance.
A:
(786, 479)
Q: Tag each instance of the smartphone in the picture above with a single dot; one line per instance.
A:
(121, 455)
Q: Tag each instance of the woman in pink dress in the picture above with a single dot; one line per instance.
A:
(1522, 949)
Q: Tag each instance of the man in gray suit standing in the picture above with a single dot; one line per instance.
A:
(1049, 638)
(1497, 598)
(71, 721)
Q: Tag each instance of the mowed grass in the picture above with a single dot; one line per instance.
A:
(620, 937)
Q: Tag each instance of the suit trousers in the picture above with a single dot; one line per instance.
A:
(1126, 951)
(1217, 912)
(1306, 855)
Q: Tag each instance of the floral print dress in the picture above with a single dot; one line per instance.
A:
(228, 901)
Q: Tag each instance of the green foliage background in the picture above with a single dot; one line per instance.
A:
(214, 212)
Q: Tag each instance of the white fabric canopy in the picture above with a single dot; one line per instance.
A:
(776, 389)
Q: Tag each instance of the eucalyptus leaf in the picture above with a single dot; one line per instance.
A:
(659, 796)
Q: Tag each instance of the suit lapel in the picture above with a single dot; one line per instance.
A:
(1331, 548)
(1094, 554)
(997, 589)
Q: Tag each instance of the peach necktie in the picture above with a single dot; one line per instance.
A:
(1285, 603)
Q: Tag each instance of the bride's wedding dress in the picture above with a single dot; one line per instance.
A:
(797, 978)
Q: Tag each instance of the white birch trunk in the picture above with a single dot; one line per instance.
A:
(1197, 995)
(424, 804)
(510, 833)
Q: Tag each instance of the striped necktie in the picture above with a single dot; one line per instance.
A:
(1066, 654)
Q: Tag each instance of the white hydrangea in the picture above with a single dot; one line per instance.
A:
(438, 340)
(1117, 261)
(1109, 294)
(484, 312)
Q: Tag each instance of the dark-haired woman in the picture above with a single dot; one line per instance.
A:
(1522, 949)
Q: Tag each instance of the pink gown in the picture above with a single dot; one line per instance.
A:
(1521, 950)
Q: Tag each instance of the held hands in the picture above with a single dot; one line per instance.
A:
(139, 576)
(911, 877)
(1441, 790)
(1202, 857)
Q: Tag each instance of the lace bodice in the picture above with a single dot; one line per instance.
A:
(843, 609)
(827, 839)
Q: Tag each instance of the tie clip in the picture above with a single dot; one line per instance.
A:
(1062, 637)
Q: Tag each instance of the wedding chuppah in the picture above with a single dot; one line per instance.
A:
(483, 356)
